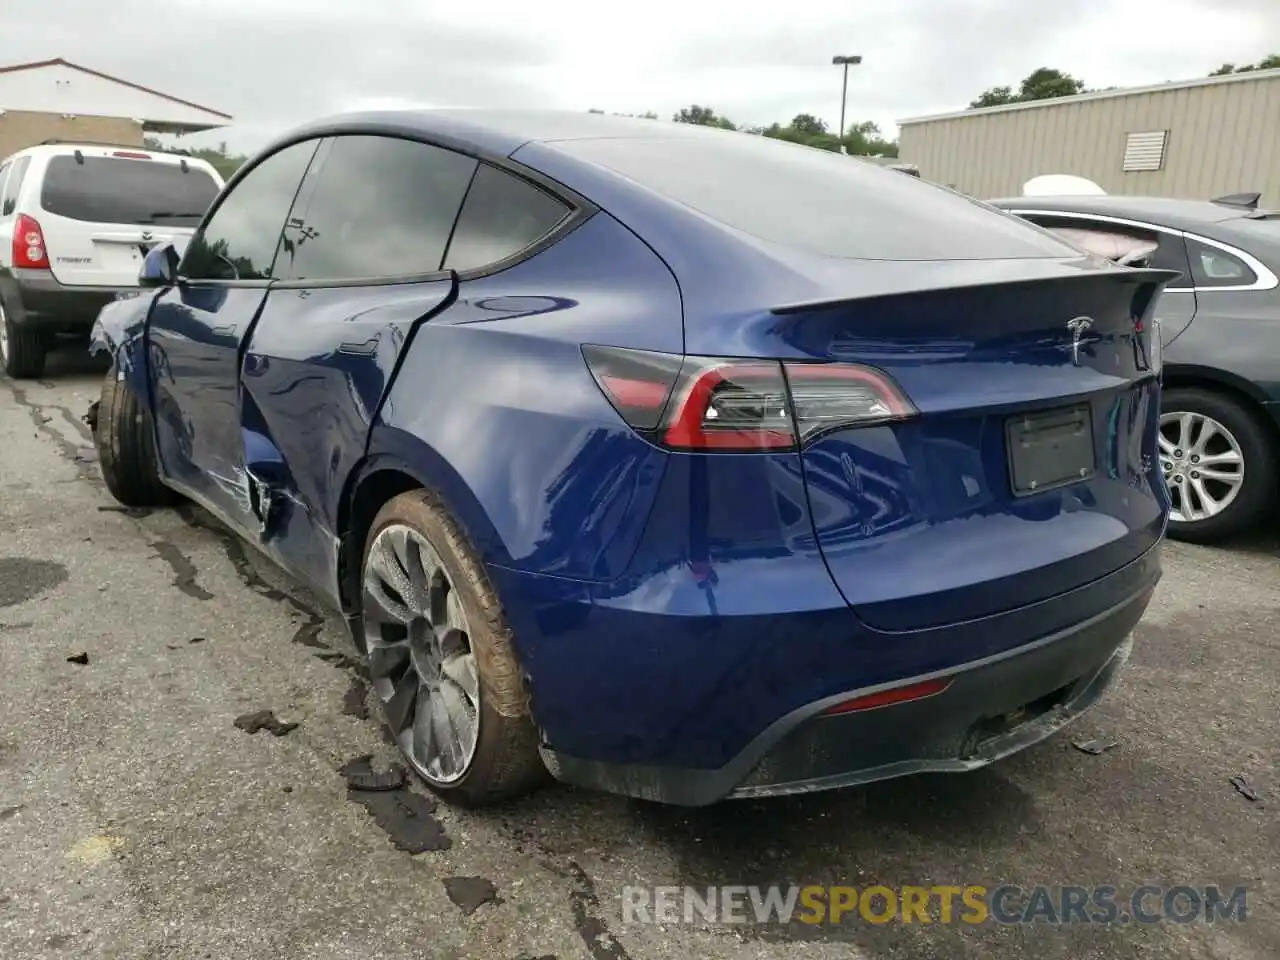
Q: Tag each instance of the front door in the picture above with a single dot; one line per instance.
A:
(198, 328)
(359, 272)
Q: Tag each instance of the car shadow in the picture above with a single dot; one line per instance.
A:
(72, 359)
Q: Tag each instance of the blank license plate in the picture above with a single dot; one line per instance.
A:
(1050, 449)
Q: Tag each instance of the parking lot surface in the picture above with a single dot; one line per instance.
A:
(138, 820)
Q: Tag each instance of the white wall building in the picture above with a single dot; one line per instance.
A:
(56, 99)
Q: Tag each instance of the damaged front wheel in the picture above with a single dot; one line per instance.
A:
(122, 430)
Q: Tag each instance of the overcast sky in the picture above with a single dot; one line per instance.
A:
(274, 63)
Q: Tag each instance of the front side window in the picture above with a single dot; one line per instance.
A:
(502, 216)
(1212, 267)
(382, 207)
(239, 241)
(9, 203)
(127, 190)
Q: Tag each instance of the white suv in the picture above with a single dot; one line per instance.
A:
(76, 220)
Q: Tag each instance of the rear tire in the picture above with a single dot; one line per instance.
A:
(22, 349)
(452, 691)
(126, 447)
(1239, 435)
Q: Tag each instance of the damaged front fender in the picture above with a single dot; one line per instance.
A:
(120, 330)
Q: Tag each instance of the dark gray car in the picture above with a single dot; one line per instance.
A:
(1220, 327)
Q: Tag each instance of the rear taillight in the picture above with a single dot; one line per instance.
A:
(737, 405)
(29, 251)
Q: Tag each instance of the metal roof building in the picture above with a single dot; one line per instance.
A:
(1194, 139)
(59, 99)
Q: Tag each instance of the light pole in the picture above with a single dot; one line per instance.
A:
(844, 88)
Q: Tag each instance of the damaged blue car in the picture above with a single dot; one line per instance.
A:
(664, 460)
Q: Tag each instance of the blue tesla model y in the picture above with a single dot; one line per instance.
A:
(670, 461)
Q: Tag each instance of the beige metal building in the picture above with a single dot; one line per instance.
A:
(63, 100)
(1195, 139)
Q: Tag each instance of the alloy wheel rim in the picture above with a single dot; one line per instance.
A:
(1202, 463)
(421, 661)
(4, 335)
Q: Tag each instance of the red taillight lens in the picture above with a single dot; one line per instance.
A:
(732, 405)
(827, 395)
(729, 405)
(29, 251)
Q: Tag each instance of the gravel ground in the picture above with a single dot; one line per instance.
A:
(137, 820)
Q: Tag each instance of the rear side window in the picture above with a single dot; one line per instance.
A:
(120, 190)
(502, 216)
(1212, 267)
(1115, 241)
(381, 207)
(9, 203)
(817, 200)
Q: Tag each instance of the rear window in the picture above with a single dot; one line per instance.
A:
(120, 190)
(817, 200)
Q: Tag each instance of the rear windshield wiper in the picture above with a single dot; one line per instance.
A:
(152, 217)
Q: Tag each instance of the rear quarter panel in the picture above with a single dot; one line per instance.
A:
(495, 408)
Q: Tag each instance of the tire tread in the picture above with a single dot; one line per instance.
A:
(126, 447)
(507, 763)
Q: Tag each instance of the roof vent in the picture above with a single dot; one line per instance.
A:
(1145, 151)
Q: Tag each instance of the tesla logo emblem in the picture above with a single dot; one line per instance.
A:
(1078, 326)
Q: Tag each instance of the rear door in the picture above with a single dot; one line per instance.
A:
(360, 270)
(101, 209)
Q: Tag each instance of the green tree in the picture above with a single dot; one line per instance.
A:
(1045, 83)
(1270, 62)
(808, 124)
(220, 158)
(704, 117)
(994, 97)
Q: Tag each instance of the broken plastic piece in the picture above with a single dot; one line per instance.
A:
(1243, 788)
(1095, 747)
(360, 775)
(80, 658)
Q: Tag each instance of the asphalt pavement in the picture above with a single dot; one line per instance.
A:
(138, 820)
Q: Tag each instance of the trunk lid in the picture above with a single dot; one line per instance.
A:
(1031, 468)
(102, 209)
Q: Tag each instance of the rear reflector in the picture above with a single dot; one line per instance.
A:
(716, 404)
(887, 698)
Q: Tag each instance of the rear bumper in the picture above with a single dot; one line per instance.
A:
(36, 298)
(993, 706)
